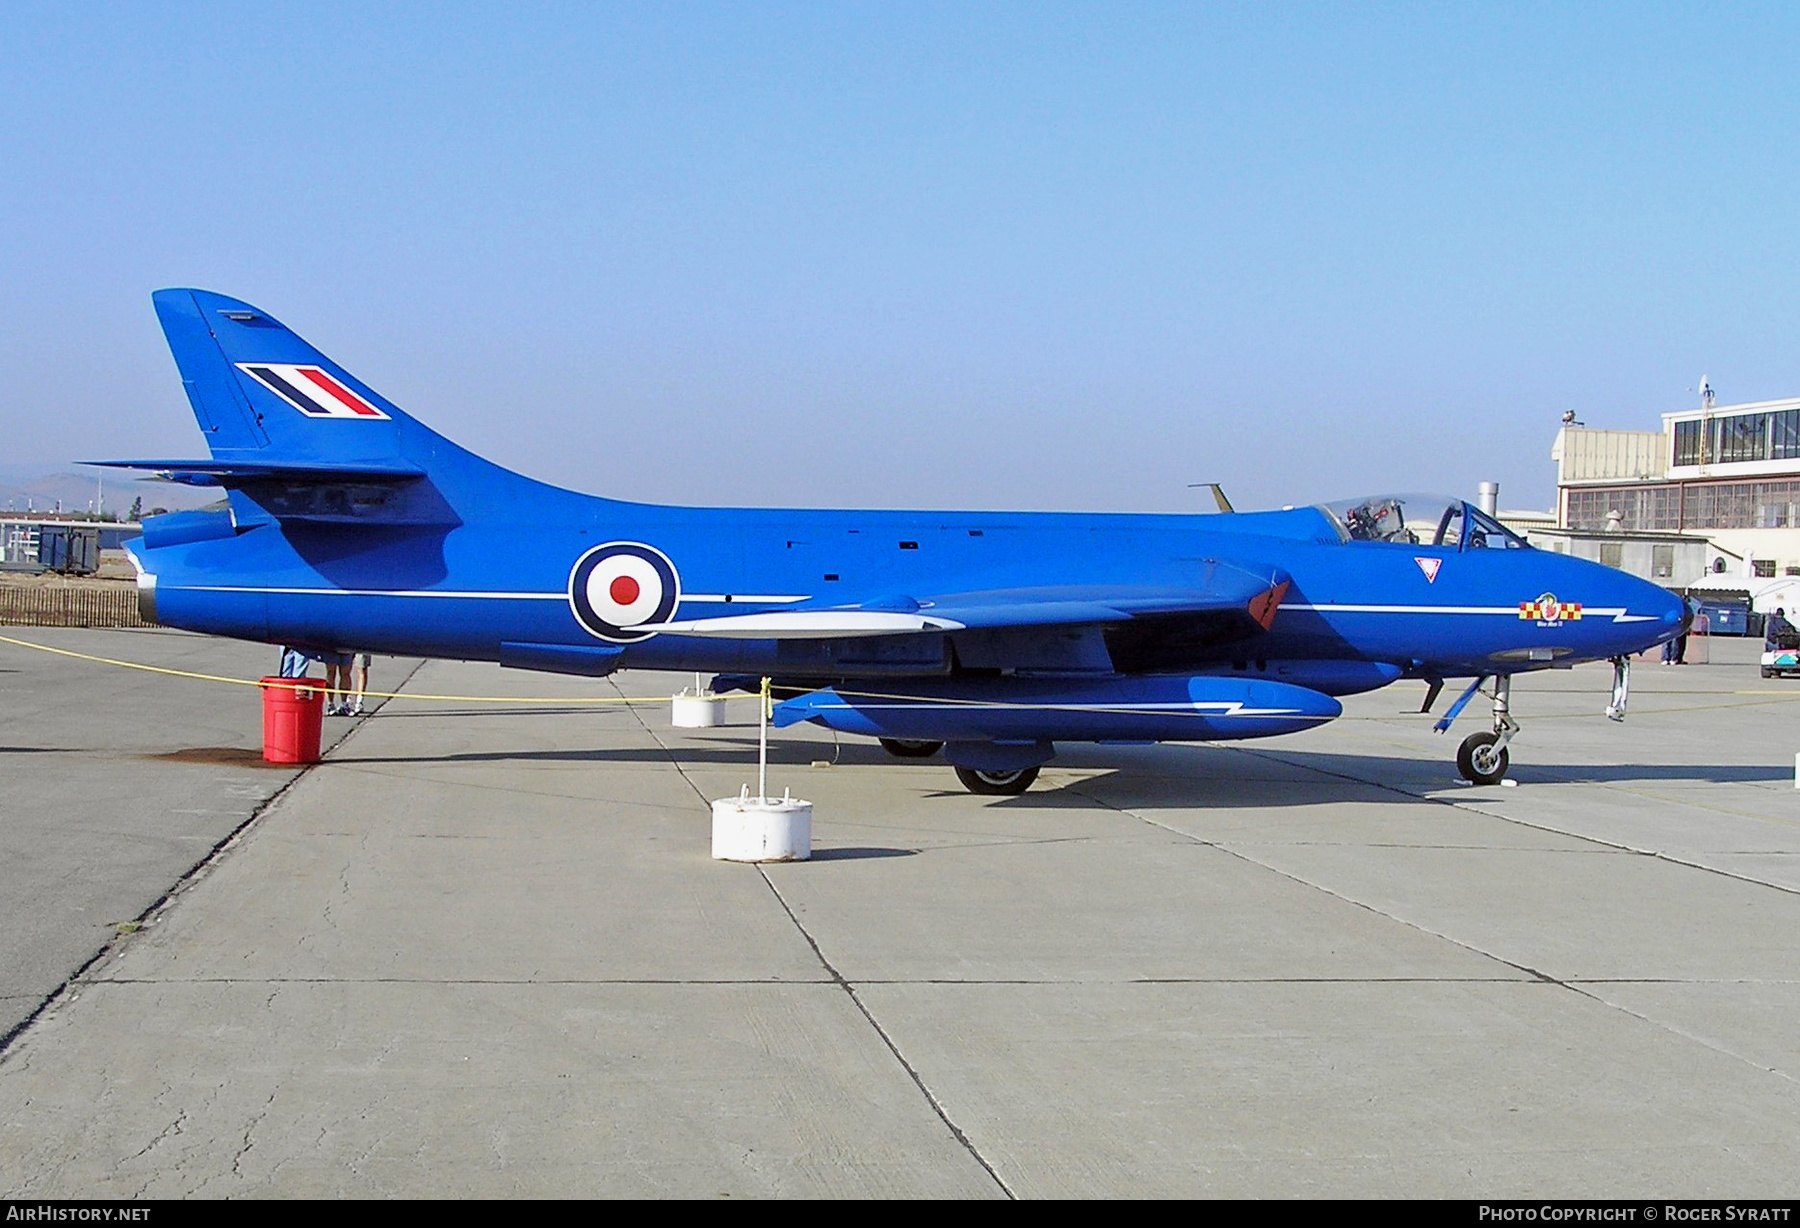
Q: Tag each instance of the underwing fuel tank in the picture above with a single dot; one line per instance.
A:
(1159, 708)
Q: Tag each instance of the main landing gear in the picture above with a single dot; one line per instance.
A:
(910, 748)
(1004, 784)
(992, 782)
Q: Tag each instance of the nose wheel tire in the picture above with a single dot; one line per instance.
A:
(908, 748)
(1479, 761)
(997, 783)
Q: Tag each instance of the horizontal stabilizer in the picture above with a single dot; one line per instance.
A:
(239, 473)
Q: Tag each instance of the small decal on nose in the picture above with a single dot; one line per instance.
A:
(1549, 612)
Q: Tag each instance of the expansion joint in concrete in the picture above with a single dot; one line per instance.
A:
(918, 1080)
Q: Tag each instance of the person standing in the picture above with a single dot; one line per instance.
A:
(337, 682)
(294, 662)
(360, 683)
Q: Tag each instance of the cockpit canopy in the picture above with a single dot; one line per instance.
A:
(1421, 520)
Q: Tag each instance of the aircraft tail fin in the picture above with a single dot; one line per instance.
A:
(295, 436)
(263, 394)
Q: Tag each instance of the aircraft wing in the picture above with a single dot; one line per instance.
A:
(1241, 597)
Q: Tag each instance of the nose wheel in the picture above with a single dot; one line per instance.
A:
(1481, 759)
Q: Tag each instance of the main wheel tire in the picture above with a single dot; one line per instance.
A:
(910, 748)
(997, 783)
(1479, 761)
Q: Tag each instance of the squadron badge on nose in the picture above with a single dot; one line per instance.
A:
(1549, 612)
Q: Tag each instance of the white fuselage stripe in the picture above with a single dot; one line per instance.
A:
(734, 598)
(1616, 613)
(368, 592)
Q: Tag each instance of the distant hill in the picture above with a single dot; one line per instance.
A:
(40, 487)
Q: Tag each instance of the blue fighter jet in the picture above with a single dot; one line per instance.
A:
(986, 636)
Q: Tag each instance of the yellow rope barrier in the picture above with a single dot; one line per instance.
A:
(320, 682)
(767, 697)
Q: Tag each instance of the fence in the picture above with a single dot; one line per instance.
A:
(54, 606)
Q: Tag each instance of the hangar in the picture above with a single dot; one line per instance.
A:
(1712, 500)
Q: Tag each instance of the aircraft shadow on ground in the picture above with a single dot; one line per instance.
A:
(1615, 773)
(786, 756)
(1148, 777)
(1429, 772)
(1146, 783)
(389, 713)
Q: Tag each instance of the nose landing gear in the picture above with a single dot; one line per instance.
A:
(1482, 758)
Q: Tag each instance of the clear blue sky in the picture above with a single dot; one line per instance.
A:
(1032, 255)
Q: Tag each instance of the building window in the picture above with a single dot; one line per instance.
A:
(1667, 508)
(1784, 435)
(1653, 508)
(1742, 437)
(1687, 442)
(1737, 438)
(1662, 562)
(1612, 554)
(1763, 568)
(1727, 505)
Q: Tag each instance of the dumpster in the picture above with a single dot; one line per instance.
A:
(72, 549)
(1727, 617)
(293, 714)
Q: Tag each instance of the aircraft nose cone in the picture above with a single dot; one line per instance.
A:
(1675, 615)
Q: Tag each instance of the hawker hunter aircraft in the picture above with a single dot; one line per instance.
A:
(986, 636)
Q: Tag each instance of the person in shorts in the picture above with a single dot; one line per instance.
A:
(359, 684)
(337, 682)
(294, 662)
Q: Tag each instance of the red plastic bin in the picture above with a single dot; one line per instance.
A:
(293, 716)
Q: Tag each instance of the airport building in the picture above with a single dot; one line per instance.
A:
(1711, 501)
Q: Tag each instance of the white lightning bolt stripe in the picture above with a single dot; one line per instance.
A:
(1617, 613)
(1198, 708)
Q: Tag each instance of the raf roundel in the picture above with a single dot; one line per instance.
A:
(622, 585)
